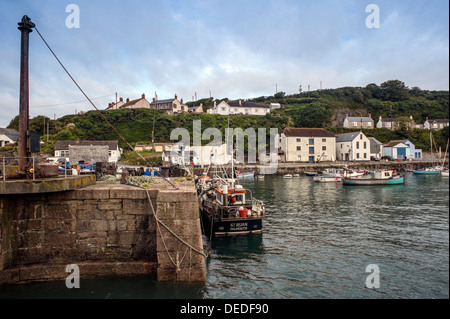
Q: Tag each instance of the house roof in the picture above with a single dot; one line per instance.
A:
(247, 104)
(306, 132)
(395, 143)
(373, 139)
(438, 121)
(359, 119)
(347, 137)
(64, 145)
(12, 134)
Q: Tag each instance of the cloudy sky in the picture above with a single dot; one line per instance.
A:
(231, 48)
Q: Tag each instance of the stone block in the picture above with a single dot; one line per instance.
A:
(110, 204)
(99, 225)
(138, 206)
(129, 192)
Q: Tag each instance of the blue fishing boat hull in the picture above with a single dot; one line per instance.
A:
(397, 180)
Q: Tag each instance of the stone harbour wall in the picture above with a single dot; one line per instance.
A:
(106, 229)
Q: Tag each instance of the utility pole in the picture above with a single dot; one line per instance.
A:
(25, 27)
(309, 89)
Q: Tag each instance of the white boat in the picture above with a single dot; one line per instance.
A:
(444, 173)
(260, 177)
(296, 175)
(287, 176)
(327, 179)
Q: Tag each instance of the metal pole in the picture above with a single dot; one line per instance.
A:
(34, 177)
(25, 27)
(4, 170)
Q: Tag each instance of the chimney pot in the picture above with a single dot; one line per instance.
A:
(121, 99)
(128, 99)
(143, 95)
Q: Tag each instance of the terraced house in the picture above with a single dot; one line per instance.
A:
(353, 146)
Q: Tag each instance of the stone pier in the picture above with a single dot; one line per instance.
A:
(106, 229)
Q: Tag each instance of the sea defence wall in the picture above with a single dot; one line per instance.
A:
(106, 230)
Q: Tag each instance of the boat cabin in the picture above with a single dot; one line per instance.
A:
(383, 174)
(230, 196)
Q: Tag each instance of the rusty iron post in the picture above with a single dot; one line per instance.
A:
(25, 27)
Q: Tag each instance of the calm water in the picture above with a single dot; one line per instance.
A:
(318, 240)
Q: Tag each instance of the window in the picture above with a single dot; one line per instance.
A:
(369, 124)
(324, 148)
(299, 140)
(299, 148)
(355, 124)
(311, 141)
(365, 155)
(324, 140)
(311, 150)
(365, 145)
(360, 136)
(357, 155)
(299, 158)
(357, 145)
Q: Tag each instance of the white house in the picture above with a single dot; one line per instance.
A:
(352, 147)
(396, 150)
(239, 108)
(8, 136)
(62, 148)
(402, 149)
(435, 124)
(307, 145)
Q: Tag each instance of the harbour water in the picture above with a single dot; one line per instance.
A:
(317, 241)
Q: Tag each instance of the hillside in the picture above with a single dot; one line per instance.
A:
(325, 108)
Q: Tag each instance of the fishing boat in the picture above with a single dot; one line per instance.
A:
(427, 171)
(228, 209)
(382, 177)
(287, 176)
(326, 179)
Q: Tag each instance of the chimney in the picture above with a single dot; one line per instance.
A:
(370, 115)
(128, 99)
(181, 100)
(176, 96)
(121, 99)
(215, 103)
(143, 95)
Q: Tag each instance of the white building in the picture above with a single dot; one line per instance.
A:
(198, 155)
(307, 145)
(239, 108)
(114, 153)
(8, 136)
(352, 147)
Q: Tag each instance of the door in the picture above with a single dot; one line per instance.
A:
(401, 152)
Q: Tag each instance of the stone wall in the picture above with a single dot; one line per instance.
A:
(106, 229)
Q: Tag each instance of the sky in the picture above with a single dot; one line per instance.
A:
(223, 48)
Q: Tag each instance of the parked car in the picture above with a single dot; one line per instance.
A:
(387, 158)
(374, 158)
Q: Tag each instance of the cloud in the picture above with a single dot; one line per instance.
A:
(235, 49)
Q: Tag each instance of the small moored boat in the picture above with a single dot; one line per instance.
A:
(287, 176)
(327, 179)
